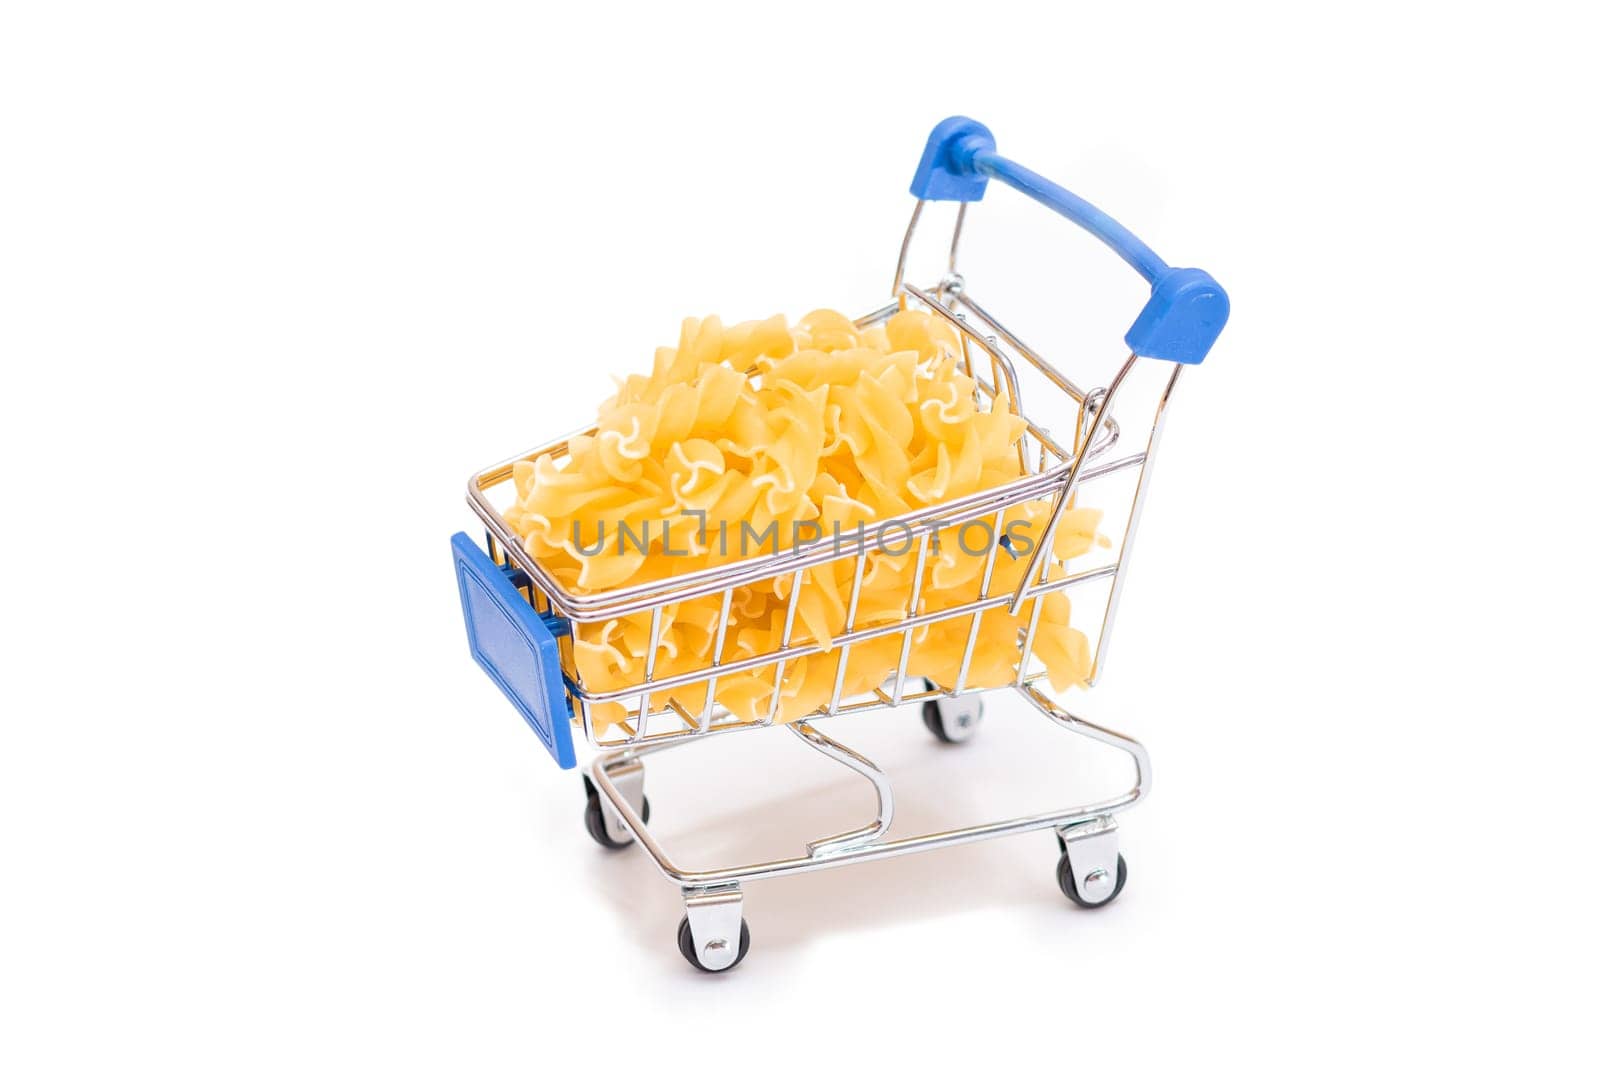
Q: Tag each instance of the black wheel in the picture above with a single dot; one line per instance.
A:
(686, 946)
(935, 723)
(1069, 884)
(594, 819)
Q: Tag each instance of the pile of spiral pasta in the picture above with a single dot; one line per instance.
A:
(818, 427)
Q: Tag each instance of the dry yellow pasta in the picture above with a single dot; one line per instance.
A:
(760, 438)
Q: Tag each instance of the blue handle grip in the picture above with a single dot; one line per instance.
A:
(1187, 308)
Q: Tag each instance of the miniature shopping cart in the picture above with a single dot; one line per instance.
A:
(520, 617)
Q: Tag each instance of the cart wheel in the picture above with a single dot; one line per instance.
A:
(594, 820)
(1069, 884)
(952, 719)
(686, 946)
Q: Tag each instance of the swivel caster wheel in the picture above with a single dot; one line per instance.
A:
(608, 830)
(1091, 871)
(686, 946)
(953, 719)
(1094, 882)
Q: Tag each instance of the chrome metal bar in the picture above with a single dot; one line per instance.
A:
(849, 628)
(590, 607)
(966, 359)
(911, 616)
(905, 247)
(586, 716)
(1031, 429)
(1111, 431)
(849, 757)
(1131, 530)
(1045, 367)
(955, 234)
(1077, 426)
(716, 661)
(994, 369)
(983, 594)
(1014, 391)
(690, 722)
(1027, 638)
(645, 595)
(649, 674)
(783, 646)
(767, 659)
(1063, 718)
(725, 722)
(1056, 819)
(872, 318)
(1042, 554)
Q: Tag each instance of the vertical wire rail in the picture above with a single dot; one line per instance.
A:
(1077, 428)
(1027, 639)
(905, 247)
(911, 613)
(998, 362)
(1013, 402)
(1022, 442)
(911, 229)
(587, 708)
(1079, 448)
(1125, 551)
(1013, 396)
(716, 661)
(1041, 553)
(788, 631)
(966, 357)
(862, 766)
(649, 675)
(955, 235)
(983, 594)
(1031, 632)
(849, 628)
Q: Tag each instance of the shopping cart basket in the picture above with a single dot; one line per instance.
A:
(520, 617)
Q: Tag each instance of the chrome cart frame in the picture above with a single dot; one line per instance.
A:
(520, 617)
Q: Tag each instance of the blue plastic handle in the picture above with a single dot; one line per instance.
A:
(515, 646)
(1187, 308)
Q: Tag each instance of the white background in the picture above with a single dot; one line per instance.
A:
(275, 278)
